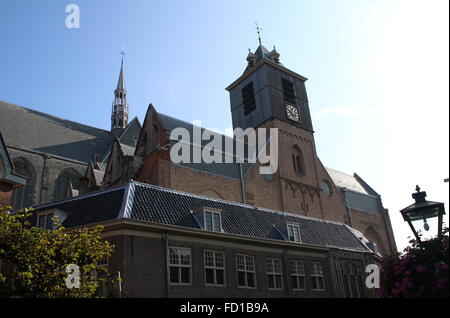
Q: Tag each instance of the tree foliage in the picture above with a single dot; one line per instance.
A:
(38, 258)
(420, 271)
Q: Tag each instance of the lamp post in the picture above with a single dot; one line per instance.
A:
(423, 210)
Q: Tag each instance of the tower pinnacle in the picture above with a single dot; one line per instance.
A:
(119, 115)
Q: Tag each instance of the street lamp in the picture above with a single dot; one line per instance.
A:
(423, 210)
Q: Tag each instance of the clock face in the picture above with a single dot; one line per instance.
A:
(292, 112)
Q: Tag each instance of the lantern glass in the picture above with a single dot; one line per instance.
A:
(421, 227)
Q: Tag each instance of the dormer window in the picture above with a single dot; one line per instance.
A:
(45, 221)
(293, 232)
(212, 221)
(209, 219)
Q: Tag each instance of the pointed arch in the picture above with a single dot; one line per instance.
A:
(23, 197)
(64, 179)
(372, 235)
(298, 160)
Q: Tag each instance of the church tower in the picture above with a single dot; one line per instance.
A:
(119, 115)
(268, 90)
(270, 95)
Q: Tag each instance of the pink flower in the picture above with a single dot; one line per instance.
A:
(441, 283)
(420, 269)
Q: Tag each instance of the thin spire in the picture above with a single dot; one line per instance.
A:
(258, 29)
(121, 83)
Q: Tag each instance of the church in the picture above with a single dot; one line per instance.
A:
(66, 166)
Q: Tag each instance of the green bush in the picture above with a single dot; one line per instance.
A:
(38, 258)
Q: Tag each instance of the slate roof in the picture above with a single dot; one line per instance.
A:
(229, 170)
(30, 129)
(127, 150)
(344, 180)
(355, 192)
(161, 205)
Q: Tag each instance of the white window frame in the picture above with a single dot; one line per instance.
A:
(212, 220)
(215, 268)
(294, 226)
(315, 275)
(297, 274)
(274, 273)
(246, 270)
(179, 266)
(45, 215)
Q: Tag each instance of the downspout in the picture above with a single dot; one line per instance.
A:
(346, 206)
(241, 179)
(43, 177)
(166, 258)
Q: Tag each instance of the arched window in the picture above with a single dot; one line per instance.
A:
(154, 137)
(62, 183)
(22, 196)
(120, 122)
(297, 161)
(374, 237)
(352, 280)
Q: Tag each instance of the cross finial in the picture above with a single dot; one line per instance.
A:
(417, 188)
(258, 29)
(122, 52)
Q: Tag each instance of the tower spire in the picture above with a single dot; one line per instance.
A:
(258, 29)
(121, 82)
(119, 116)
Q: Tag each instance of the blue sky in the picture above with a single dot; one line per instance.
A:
(377, 70)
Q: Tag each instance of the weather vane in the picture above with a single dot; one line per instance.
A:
(258, 29)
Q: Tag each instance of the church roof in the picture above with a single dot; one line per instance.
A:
(29, 129)
(229, 170)
(344, 180)
(357, 193)
(150, 203)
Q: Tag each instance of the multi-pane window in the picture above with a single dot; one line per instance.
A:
(212, 221)
(246, 271)
(180, 266)
(293, 233)
(288, 91)
(316, 275)
(248, 98)
(45, 221)
(274, 273)
(297, 269)
(351, 280)
(215, 268)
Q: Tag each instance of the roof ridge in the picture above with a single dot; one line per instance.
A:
(56, 117)
(252, 207)
(192, 124)
(80, 197)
